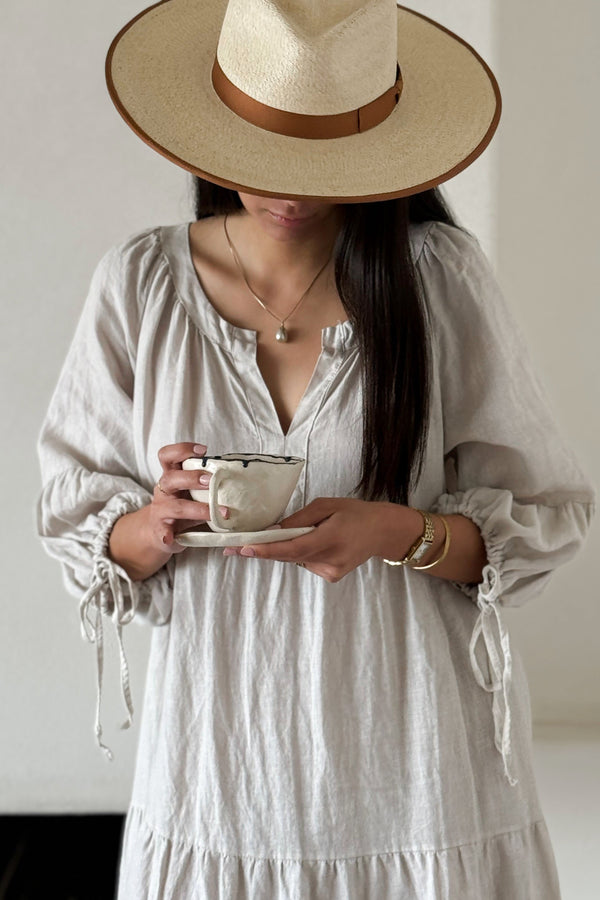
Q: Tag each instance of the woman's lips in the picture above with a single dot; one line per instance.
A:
(288, 221)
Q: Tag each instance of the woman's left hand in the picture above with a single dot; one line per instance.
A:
(347, 533)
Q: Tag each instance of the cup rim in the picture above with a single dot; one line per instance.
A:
(197, 462)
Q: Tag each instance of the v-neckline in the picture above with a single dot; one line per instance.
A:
(308, 389)
(242, 344)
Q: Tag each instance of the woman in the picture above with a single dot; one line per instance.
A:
(353, 725)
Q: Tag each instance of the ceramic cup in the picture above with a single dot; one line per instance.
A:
(254, 487)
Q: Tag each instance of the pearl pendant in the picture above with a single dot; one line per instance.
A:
(282, 335)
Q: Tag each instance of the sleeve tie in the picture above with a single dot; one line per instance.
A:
(106, 597)
(490, 628)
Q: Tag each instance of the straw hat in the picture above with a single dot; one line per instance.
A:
(334, 99)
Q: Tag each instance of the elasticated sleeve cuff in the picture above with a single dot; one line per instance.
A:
(524, 541)
(105, 590)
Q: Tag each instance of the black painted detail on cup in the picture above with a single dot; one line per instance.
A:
(264, 457)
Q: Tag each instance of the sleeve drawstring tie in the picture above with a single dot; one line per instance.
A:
(490, 628)
(104, 592)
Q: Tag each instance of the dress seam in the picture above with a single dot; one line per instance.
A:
(326, 389)
(418, 256)
(337, 859)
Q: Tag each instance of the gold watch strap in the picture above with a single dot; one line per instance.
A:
(421, 545)
(442, 556)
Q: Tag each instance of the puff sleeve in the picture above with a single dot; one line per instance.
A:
(90, 469)
(507, 465)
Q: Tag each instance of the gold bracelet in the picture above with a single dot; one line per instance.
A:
(444, 552)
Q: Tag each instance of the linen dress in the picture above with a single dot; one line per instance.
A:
(300, 739)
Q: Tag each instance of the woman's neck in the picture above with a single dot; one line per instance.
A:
(274, 253)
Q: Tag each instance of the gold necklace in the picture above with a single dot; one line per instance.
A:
(282, 334)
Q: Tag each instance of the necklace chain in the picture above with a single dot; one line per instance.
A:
(282, 334)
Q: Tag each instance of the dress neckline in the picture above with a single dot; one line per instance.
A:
(175, 242)
(241, 343)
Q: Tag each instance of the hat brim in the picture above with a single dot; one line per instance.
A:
(158, 72)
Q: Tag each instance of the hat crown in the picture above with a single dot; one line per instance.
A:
(310, 56)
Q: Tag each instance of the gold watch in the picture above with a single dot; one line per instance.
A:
(420, 546)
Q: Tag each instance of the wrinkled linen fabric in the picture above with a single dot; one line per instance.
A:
(299, 739)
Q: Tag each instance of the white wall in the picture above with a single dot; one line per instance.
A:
(473, 193)
(76, 180)
(549, 267)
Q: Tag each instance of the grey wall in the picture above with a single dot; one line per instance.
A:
(76, 180)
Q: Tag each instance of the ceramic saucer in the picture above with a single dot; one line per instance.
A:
(239, 538)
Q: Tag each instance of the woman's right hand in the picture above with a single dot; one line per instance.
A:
(172, 510)
(142, 542)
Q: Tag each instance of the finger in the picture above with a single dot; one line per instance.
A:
(171, 529)
(168, 540)
(297, 550)
(173, 507)
(183, 525)
(235, 551)
(312, 514)
(174, 480)
(172, 455)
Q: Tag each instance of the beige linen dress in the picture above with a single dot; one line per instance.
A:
(299, 739)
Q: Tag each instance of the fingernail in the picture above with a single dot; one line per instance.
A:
(247, 551)
(229, 551)
(204, 478)
(199, 449)
(224, 512)
(169, 521)
(272, 527)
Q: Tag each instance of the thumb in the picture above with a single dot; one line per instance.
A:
(312, 514)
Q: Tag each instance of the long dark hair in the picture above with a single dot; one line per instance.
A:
(379, 288)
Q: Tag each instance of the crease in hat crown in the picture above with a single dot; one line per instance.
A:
(310, 57)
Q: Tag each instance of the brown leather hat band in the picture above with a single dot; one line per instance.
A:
(305, 126)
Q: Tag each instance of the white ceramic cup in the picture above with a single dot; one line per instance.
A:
(255, 488)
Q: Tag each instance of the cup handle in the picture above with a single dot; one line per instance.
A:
(213, 500)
